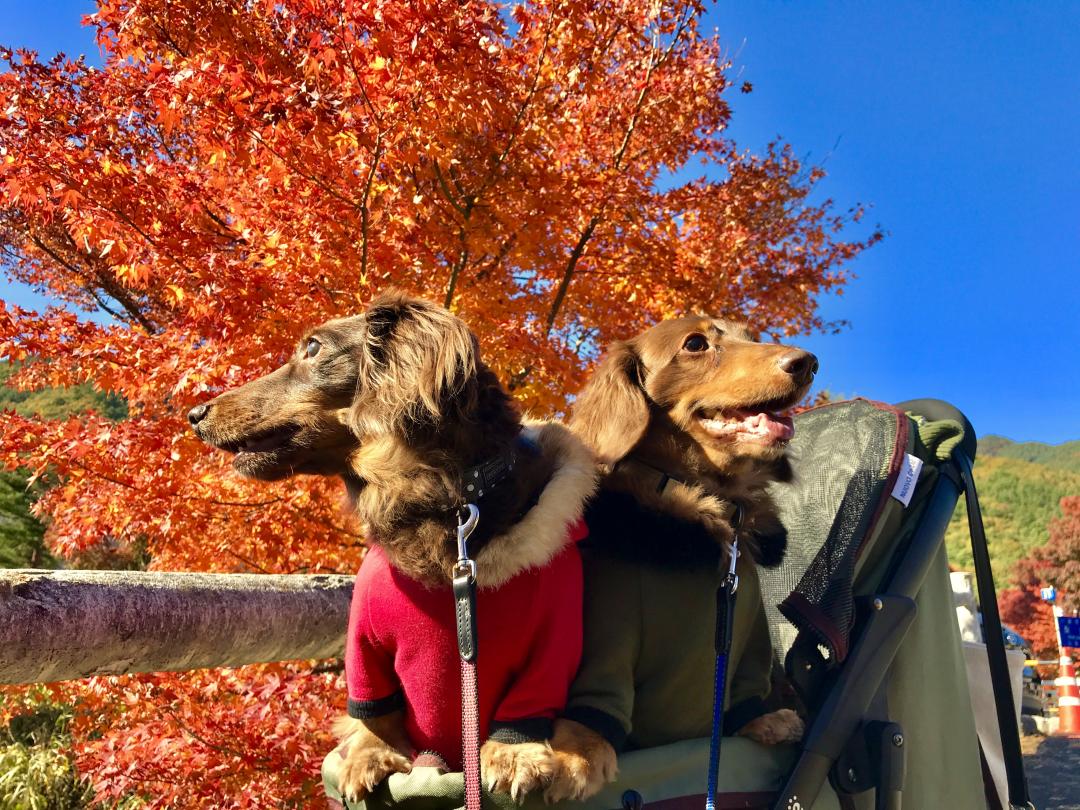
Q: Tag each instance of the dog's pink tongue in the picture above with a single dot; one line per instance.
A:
(778, 428)
(781, 428)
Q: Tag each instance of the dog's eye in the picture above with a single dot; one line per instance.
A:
(312, 348)
(695, 343)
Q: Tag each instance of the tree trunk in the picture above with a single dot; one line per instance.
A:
(56, 625)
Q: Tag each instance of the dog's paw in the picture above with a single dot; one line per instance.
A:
(365, 766)
(781, 726)
(516, 768)
(584, 762)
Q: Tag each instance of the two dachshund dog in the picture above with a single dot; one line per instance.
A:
(684, 422)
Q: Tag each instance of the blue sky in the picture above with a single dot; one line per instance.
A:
(959, 124)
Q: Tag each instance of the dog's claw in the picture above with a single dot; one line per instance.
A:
(365, 767)
(516, 769)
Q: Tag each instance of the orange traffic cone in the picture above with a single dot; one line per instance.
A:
(1068, 692)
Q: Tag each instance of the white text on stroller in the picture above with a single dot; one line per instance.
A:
(904, 487)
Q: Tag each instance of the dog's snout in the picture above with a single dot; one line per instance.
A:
(799, 364)
(197, 414)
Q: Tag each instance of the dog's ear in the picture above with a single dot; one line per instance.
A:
(416, 357)
(612, 412)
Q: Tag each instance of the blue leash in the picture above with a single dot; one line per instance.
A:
(725, 614)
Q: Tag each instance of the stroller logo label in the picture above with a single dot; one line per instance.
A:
(904, 487)
(794, 803)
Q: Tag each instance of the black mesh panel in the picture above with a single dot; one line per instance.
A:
(842, 455)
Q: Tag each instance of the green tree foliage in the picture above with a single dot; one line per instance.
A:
(57, 403)
(36, 769)
(1065, 456)
(1019, 499)
(22, 543)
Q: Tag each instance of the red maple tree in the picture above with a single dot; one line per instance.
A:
(1057, 562)
(1025, 612)
(237, 171)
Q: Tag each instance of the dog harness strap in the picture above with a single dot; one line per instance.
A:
(464, 581)
(725, 615)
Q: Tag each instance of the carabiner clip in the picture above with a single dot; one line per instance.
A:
(464, 528)
(733, 556)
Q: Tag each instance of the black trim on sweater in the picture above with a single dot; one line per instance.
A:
(604, 724)
(529, 729)
(737, 716)
(367, 709)
(608, 727)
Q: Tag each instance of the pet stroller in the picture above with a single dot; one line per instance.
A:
(862, 617)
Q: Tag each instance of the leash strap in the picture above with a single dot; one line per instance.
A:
(725, 615)
(465, 610)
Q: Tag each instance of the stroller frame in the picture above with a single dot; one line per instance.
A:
(858, 754)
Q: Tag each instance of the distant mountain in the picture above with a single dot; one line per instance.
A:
(58, 403)
(1065, 456)
(1020, 486)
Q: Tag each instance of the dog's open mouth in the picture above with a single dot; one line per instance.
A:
(264, 441)
(753, 424)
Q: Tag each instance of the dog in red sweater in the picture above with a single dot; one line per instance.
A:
(398, 403)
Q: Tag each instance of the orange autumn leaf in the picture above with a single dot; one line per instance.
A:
(237, 171)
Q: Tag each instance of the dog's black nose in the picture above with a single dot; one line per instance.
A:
(799, 364)
(197, 414)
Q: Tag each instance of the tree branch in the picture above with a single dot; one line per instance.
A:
(579, 248)
(365, 212)
(568, 273)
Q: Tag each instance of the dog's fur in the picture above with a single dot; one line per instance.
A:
(642, 414)
(397, 402)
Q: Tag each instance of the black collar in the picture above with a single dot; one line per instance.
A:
(481, 479)
(663, 478)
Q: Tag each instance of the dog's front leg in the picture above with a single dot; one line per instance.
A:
(584, 762)
(781, 726)
(372, 749)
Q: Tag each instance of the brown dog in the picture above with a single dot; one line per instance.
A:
(397, 402)
(686, 419)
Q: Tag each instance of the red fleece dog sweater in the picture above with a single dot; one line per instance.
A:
(402, 651)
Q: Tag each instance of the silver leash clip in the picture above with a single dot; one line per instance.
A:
(733, 556)
(465, 527)
(733, 547)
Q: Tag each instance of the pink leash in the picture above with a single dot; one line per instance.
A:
(465, 609)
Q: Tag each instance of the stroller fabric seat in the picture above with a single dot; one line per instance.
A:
(864, 486)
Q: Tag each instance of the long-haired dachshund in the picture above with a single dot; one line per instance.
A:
(686, 419)
(398, 403)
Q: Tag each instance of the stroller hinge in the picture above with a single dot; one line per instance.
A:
(873, 759)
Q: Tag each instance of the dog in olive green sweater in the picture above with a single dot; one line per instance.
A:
(685, 421)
